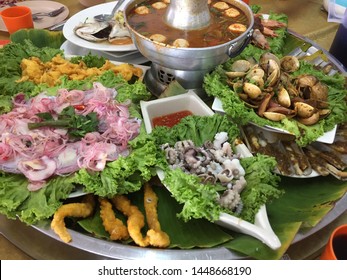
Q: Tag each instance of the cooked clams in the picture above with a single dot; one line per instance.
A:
(269, 87)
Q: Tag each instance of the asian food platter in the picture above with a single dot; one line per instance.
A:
(110, 171)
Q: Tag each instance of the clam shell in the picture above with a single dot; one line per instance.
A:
(241, 65)
(304, 110)
(290, 63)
(314, 118)
(274, 116)
(253, 91)
(234, 75)
(284, 98)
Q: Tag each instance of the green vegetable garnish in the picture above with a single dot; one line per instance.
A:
(77, 125)
(90, 60)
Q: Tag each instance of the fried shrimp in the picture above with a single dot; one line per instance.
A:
(113, 226)
(80, 210)
(156, 237)
(136, 220)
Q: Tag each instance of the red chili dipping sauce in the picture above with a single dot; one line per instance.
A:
(171, 119)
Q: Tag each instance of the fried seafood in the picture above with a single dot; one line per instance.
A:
(136, 220)
(37, 71)
(155, 235)
(114, 226)
(79, 210)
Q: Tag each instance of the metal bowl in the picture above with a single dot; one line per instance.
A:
(191, 59)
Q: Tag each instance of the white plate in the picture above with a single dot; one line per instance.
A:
(261, 229)
(132, 57)
(81, 16)
(41, 6)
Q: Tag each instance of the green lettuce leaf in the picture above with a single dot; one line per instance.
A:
(199, 200)
(16, 201)
(125, 175)
(215, 85)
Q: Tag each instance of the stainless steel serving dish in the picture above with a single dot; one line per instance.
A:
(191, 59)
(41, 242)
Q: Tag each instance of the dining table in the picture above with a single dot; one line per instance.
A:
(305, 17)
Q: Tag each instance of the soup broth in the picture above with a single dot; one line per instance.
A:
(227, 23)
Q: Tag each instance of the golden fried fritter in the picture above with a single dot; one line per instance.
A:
(136, 220)
(155, 235)
(113, 226)
(80, 210)
(33, 69)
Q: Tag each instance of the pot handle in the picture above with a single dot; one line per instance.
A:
(233, 53)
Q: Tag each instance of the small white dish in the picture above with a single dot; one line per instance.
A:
(327, 137)
(261, 229)
(163, 106)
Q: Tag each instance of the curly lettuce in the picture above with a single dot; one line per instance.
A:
(125, 175)
(215, 85)
(199, 200)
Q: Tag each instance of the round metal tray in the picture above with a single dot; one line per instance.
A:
(40, 242)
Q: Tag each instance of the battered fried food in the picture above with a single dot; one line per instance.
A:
(155, 235)
(79, 210)
(113, 226)
(33, 69)
(136, 220)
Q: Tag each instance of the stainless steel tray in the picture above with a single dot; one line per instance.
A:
(40, 242)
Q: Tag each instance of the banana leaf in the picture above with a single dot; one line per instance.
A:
(205, 234)
(304, 204)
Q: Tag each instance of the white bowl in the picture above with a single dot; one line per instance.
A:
(164, 106)
(261, 229)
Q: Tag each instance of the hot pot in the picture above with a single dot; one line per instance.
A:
(187, 65)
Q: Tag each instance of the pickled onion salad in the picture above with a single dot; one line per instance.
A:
(40, 150)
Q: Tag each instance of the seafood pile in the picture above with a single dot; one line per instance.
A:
(264, 28)
(313, 160)
(328, 159)
(215, 163)
(268, 87)
(113, 31)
